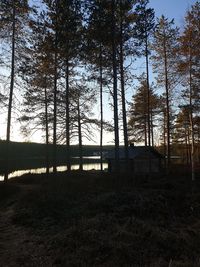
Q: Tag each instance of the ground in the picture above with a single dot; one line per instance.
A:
(94, 219)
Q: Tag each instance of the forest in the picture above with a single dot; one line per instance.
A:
(70, 74)
(61, 60)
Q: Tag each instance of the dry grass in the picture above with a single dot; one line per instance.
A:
(93, 219)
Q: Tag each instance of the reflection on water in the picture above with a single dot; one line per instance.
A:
(86, 167)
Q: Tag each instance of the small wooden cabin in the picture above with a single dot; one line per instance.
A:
(142, 160)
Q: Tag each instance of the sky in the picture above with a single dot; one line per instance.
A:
(170, 8)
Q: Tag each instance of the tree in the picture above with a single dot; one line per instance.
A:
(55, 51)
(138, 123)
(70, 41)
(52, 20)
(118, 39)
(107, 54)
(114, 69)
(97, 52)
(165, 46)
(111, 43)
(37, 73)
(83, 100)
(189, 68)
(14, 17)
(181, 133)
(126, 22)
(144, 28)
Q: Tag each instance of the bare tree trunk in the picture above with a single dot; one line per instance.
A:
(191, 119)
(55, 103)
(192, 146)
(152, 128)
(101, 107)
(164, 137)
(47, 132)
(123, 89)
(148, 91)
(80, 138)
(145, 131)
(114, 66)
(186, 148)
(67, 75)
(189, 147)
(167, 104)
(67, 115)
(198, 144)
(12, 78)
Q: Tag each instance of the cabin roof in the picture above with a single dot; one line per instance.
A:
(135, 152)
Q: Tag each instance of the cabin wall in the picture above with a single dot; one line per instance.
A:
(146, 165)
(137, 166)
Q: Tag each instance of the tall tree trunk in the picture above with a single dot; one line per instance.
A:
(67, 116)
(198, 143)
(55, 103)
(47, 132)
(191, 118)
(192, 145)
(145, 130)
(189, 146)
(152, 128)
(167, 104)
(123, 89)
(80, 138)
(148, 90)
(67, 97)
(186, 147)
(12, 78)
(114, 67)
(164, 136)
(101, 106)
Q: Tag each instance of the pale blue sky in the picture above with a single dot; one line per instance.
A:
(172, 8)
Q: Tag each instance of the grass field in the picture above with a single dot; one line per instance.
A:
(95, 219)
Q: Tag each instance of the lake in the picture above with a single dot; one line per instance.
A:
(86, 167)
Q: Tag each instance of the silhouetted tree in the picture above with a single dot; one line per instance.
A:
(14, 17)
(189, 68)
(70, 39)
(165, 46)
(145, 24)
(138, 122)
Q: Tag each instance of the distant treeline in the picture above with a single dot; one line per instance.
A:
(181, 153)
(24, 150)
(34, 151)
(33, 155)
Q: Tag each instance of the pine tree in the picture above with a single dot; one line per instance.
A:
(52, 20)
(97, 53)
(14, 17)
(144, 28)
(114, 72)
(165, 46)
(126, 21)
(189, 68)
(37, 73)
(181, 133)
(83, 100)
(70, 39)
(138, 123)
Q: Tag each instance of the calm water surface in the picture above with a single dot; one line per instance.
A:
(86, 167)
